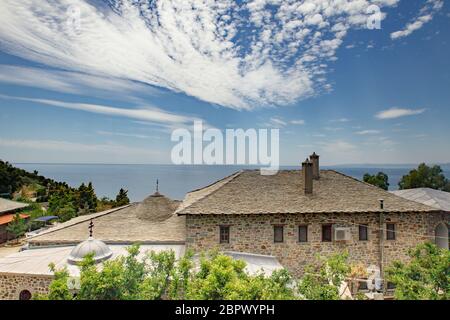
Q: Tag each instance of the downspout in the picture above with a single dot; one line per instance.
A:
(381, 227)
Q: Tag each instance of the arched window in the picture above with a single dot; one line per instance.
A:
(25, 295)
(441, 234)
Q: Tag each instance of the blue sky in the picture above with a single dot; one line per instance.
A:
(107, 81)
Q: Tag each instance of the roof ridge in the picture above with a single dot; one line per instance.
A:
(380, 189)
(217, 181)
(87, 217)
(360, 181)
(230, 178)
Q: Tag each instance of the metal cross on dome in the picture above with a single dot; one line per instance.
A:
(91, 227)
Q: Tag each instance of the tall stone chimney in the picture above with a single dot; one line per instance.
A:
(307, 173)
(315, 164)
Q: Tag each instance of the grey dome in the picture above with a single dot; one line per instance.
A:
(100, 250)
(156, 207)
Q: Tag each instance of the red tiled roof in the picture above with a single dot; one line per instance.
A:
(7, 218)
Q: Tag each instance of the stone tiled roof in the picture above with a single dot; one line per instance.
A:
(9, 205)
(249, 192)
(122, 225)
(430, 197)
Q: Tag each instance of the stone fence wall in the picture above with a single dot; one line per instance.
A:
(11, 285)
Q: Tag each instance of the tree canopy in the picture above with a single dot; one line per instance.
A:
(122, 198)
(380, 180)
(17, 227)
(425, 177)
(211, 276)
(425, 277)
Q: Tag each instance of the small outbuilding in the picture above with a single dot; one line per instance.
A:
(8, 209)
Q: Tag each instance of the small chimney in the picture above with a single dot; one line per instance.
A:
(381, 204)
(315, 163)
(307, 172)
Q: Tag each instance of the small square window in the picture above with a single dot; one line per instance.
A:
(363, 232)
(327, 233)
(303, 234)
(362, 286)
(278, 234)
(390, 231)
(224, 234)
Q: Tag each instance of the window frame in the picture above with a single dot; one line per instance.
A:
(275, 227)
(228, 232)
(328, 225)
(366, 227)
(306, 233)
(391, 234)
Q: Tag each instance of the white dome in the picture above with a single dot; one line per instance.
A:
(100, 250)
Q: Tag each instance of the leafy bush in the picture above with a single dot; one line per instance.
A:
(425, 277)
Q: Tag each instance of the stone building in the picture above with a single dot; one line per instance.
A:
(296, 215)
(286, 219)
(150, 223)
(433, 198)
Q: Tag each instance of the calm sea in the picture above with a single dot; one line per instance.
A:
(174, 181)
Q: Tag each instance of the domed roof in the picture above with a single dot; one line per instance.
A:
(156, 207)
(100, 250)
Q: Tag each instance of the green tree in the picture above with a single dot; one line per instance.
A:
(122, 198)
(17, 227)
(425, 177)
(160, 276)
(380, 180)
(322, 280)
(425, 277)
(222, 278)
(62, 205)
(59, 287)
(87, 200)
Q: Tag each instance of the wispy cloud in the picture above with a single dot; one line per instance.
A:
(338, 146)
(151, 114)
(426, 15)
(202, 49)
(72, 82)
(334, 129)
(394, 113)
(367, 132)
(342, 120)
(276, 122)
(74, 147)
(298, 122)
(126, 135)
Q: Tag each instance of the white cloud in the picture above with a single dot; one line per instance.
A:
(76, 147)
(151, 114)
(201, 48)
(126, 135)
(367, 132)
(276, 123)
(342, 120)
(298, 122)
(338, 146)
(333, 129)
(426, 15)
(398, 112)
(72, 82)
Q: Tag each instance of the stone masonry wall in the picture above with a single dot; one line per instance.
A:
(254, 234)
(12, 284)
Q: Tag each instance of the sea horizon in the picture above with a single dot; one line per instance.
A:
(175, 180)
